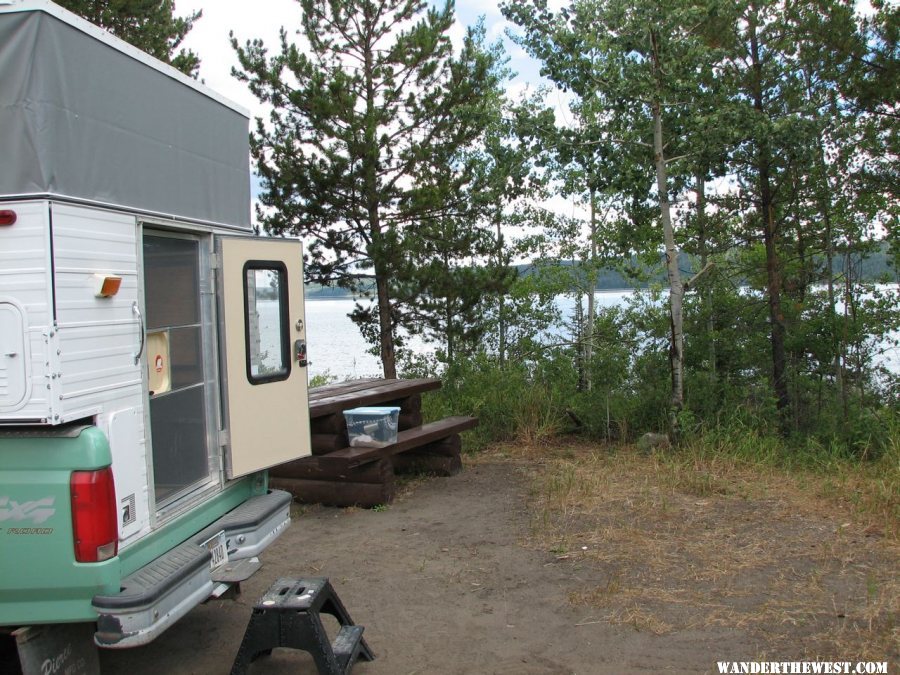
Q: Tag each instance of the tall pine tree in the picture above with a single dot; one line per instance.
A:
(362, 153)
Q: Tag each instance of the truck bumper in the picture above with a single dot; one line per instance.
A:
(157, 595)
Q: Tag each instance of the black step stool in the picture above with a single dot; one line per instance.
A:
(288, 616)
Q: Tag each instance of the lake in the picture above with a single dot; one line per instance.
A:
(335, 344)
(336, 347)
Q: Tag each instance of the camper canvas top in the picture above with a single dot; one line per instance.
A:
(88, 117)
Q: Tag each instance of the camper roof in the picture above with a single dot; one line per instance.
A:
(85, 116)
(108, 38)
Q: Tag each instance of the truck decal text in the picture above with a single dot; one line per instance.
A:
(53, 665)
(37, 512)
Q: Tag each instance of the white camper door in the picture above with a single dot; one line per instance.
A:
(261, 294)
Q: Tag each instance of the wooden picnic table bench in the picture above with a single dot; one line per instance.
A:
(341, 475)
(336, 398)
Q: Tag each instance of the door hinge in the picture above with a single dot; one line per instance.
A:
(214, 262)
(224, 438)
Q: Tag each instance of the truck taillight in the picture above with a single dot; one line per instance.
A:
(94, 516)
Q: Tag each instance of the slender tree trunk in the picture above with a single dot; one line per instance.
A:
(449, 316)
(773, 289)
(859, 361)
(676, 288)
(388, 358)
(385, 324)
(796, 289)
(837, 341)
(379, 255)
(804, 277)
(824, 193)
(451, 341)
(501, 309)
(591, 291)
(706, 294)
(579, 341)
(770, 233)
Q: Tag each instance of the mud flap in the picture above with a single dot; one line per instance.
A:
(58, 648)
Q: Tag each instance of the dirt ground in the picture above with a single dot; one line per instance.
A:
(451, 578)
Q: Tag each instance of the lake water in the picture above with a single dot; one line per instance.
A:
(335, 344)
(336, 347)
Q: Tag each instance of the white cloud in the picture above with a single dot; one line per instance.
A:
(457, 35)
(490, 10)
(209, 37)
(516, 89)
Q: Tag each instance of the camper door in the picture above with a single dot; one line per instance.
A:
(263, 352)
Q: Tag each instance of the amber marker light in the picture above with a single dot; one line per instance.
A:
(109, 285)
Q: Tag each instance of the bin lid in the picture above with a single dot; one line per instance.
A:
(373, 410)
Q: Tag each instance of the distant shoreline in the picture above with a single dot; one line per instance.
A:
(348, 296)
(316, 295)
(874, 267)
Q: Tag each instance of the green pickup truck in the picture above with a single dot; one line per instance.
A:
(152, 348)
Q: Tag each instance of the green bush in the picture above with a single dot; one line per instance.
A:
(511, 401)
(623, 390)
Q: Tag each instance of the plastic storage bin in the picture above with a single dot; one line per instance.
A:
(372, 427)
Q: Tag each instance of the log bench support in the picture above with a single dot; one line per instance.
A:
(354, 476)
(441, 458)
(314, 480)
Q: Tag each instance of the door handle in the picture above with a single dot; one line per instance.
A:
(300, 353)
(136, 310)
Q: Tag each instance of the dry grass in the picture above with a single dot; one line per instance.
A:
(802, 561)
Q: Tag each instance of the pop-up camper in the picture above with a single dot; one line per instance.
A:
(152, 354)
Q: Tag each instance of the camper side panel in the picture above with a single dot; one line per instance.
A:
(26, 302)
(99, 337)
(99, 342)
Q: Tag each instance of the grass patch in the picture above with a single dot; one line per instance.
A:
(867, 490)
(801, 553)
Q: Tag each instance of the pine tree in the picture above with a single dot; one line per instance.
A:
(363, 154)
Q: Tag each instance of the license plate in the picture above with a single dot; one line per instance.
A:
(217, 550)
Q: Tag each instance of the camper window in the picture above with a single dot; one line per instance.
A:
(266, 321)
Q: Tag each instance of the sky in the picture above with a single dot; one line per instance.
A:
(263, 18)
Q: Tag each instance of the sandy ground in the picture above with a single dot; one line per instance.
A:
(575, 559)
(442, 584)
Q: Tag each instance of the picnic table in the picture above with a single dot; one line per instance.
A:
(341, 475)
